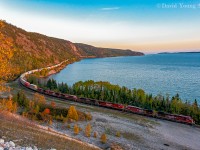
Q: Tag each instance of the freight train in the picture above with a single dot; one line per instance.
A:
(89, 101)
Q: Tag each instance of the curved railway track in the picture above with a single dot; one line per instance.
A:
(108, 105)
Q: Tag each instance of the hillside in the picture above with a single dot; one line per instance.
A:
(34, 50)
(91, 51)
(26, 133)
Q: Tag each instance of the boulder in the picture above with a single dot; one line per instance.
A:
(1, 141)
(35, 148)
(11, 144)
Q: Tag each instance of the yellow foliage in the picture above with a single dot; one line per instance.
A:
(103, 138)
(95, 134)
(76, 129)
(68, 126)
(88, 116)
(88, 130)
(8, 105)
(50, 122)
(39, 99)
(118, 134)
(6, 53)
(72, 113)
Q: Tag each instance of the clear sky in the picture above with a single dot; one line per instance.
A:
(149, 26)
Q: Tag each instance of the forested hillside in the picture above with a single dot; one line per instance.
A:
(91, 51)
(34, 50)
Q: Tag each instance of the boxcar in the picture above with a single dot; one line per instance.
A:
(134, 109)
(40, 90)
(118, 106)
(105, 104)
(148, 112)
(184, 119)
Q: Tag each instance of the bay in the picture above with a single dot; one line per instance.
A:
(156, 73)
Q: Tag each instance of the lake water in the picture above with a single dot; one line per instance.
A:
(158, 73)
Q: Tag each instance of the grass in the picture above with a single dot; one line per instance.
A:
(26, 134)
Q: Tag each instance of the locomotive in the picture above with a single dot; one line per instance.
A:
(100, 103)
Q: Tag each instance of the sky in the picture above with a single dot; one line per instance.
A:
(149, 26)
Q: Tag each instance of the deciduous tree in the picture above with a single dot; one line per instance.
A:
(88, 130)
(72, 113)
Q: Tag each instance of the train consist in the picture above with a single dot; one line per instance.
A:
(89, 101)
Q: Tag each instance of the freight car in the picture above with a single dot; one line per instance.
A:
(129, 108)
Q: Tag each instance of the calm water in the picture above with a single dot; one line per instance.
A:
(159, 73)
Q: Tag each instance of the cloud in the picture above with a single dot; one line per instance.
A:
(110, 8)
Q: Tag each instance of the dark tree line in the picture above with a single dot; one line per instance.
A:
(136, 97)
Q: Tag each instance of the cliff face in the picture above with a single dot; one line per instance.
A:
(34, 50)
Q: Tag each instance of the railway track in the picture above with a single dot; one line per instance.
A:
(99, 103)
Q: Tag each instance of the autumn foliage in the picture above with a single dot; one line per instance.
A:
(76, 129)
(46, 111)
(8, 105)
(39, 99)
(6, 53)
(88, 129)
(53, 104)
(72, 113)
(103, 138)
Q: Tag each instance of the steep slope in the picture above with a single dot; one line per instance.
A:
(34, 50)
(91, 51)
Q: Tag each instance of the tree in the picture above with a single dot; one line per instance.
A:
(46, 115)
(103, 138)
(53, 104)
(72, 113)
(39, 99)
(88, 130)
(9, 105)
(95, 134)
(6, 53)
(118, 134)
(37, 109)
(76, 129)
(46, 111)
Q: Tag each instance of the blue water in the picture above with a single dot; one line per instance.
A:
(156, 74)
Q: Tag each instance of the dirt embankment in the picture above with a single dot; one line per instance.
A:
(24, 132)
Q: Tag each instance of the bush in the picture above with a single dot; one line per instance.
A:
(68, 126)
(103, 138)
(88, 117)
(95, 134)
(118, 134)
(76, 129)
(88, 130)
(72, 113)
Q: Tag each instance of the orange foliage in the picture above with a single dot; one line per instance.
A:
(39, 99)
(6, 53)
(8, 105)
(46, 111)
(53, 104)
